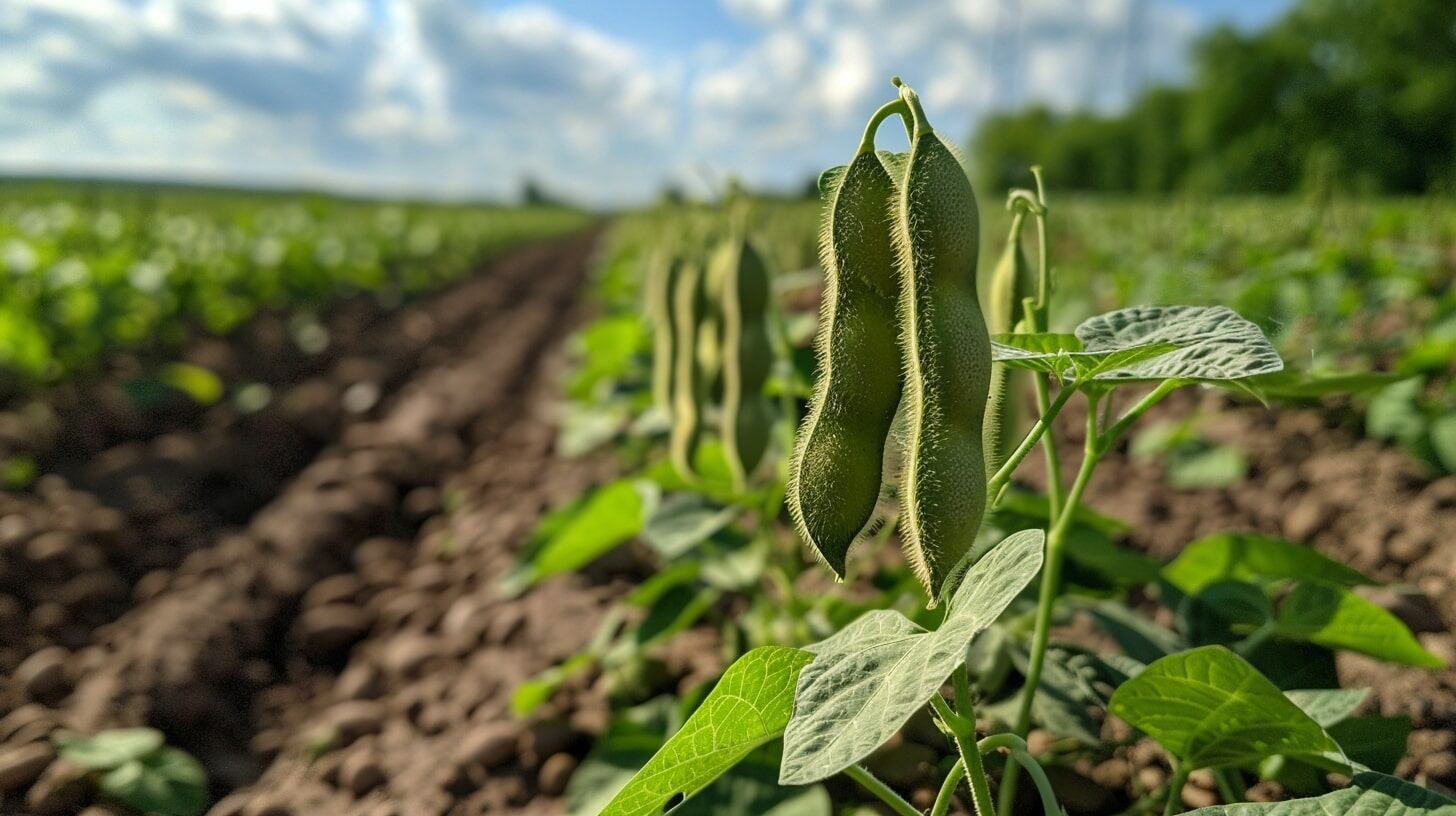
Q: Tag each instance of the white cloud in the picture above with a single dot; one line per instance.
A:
(453, 97)
(761, 12)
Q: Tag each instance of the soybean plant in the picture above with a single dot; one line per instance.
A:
(916, 396)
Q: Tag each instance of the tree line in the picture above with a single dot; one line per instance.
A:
(1337, 95)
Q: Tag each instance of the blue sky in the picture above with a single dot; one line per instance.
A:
(603, 100)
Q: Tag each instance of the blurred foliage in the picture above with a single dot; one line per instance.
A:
(1352, 95)
(91, 269)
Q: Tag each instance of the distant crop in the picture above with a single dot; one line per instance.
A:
(136, 272)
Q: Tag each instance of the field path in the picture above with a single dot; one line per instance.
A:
(246, 634)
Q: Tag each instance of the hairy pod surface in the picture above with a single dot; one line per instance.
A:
(662, 276)
(1012, 280)
(689, 306)
(747, 355)
(947, 355)
(835, 472)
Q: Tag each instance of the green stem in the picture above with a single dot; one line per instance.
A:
(1044, 270)
(892, 108)
(1048, 415)
(947, 789)
(1110, 436)
(1175, 790)
(1230, 785)
(917, 113)
(963, 730)
(881, 790)
(1051, 579)
(1016, 747)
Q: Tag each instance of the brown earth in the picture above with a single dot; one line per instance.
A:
(201, 646)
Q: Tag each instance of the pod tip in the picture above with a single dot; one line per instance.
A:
(896, 81)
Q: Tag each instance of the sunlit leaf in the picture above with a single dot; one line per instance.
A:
(867, 680)
(1369, 794)
(749, 706)
(1249, 557)
(1213, 343)
(1337, 618)
(1211, 709)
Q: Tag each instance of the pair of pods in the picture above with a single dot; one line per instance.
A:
(712, 340)
(901, 323)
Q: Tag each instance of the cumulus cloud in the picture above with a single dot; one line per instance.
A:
(453, 97)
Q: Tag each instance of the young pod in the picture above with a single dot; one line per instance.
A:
(662, 275)
(689, 307)
(746, 357)
(1012, 280)
(947, 357)
(835, 472)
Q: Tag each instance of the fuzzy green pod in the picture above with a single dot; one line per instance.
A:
(947, 355)
(689, 307)
(662, 276)
(747, 355)
(1012, 280)
(835, 472)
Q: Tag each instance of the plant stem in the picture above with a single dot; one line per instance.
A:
(1048, 415)
(892, 108)
(1051, 578)
(1016, 747)
(880, 789)
(947, 789)
(963, 730)
(1230, 785)
(1175, 790)
(1109, 438)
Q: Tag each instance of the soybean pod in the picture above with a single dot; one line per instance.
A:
(1012, 280)
(689, 305)
(947, 357)
(835, 472)
(662, 275)
(747, 355)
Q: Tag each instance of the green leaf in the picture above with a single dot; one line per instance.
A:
(684, 520)
(1036, 507)
(631, 738)
(1213, 343)
(109, 749)
(1336, 618)
(1251, 557)
(1379, 743)
(750, 706)
(1394, 412)
(1328, 706)
(586, 427)
(1094, 550)
(1061, 703)
(200, 384)
(1443, 441)
(868, 679)
(1142, 639)
(608, 518)
(1064, 356)
(751, 789)
(1211, 709)
(166, 781)
(531, 694)
(1209, 469)
(1224, 612)
(606, 350)
(1369, 794)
